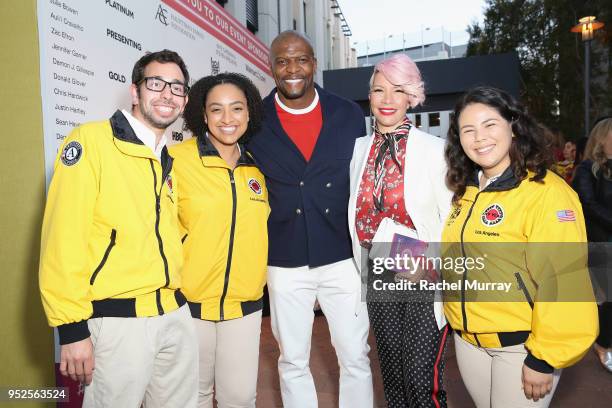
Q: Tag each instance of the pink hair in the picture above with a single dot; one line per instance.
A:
(400, 70)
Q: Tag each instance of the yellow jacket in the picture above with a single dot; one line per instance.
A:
(223, 215)
(110, 240)
(529, 235)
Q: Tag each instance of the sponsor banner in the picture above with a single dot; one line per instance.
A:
(88, 49)
(212, 18)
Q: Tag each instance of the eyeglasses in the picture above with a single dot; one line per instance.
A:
(156, 84)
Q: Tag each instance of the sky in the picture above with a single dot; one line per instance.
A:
(401, 22)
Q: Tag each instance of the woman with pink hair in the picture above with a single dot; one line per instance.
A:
(398, 203)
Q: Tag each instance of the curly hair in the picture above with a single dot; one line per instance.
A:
(529, 150)
(196, 105)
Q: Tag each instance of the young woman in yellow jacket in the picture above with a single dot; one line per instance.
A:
(223, 211)
(521, 303)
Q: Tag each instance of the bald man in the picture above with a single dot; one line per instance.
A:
(304, 149)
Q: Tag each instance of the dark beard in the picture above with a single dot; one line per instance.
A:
(292, 95)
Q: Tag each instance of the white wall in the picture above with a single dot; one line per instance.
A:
(237, 8)
(332, 48)
(439, 131)
(268, 20)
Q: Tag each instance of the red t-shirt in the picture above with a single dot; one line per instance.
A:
(303, 129)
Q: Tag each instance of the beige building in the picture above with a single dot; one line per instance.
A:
(322, 21)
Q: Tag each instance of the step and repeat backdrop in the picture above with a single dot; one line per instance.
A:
(88, 49)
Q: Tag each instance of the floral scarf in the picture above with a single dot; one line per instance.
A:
(388, 148)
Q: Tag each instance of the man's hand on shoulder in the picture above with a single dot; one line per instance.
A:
(77, 360)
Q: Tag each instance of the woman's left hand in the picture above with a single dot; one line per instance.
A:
(535, 384)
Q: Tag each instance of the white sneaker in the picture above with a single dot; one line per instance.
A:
(607, 361)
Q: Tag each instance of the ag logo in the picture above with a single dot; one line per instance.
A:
(492, 215)
(72, 153)
(255, 186)
(161, 15)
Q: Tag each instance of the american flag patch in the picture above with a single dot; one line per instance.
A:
(566, 216)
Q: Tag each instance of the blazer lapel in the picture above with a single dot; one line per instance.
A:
(417, 183)
(361, 159)
(325, 148)
(358, 164)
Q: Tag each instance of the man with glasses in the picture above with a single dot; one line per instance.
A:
(111, 251)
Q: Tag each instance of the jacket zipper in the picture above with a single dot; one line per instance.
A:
(110, 246)
(230, 250)
(463, 312)
(523, 287)
(160, 309)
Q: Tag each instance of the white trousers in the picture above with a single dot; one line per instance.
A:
(229, 359)
(144, 361)
(492, 376)
(293, 292)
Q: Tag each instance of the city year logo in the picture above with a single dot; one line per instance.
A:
(169, 183)
(255, 186)
(72, 153)
(492, 215)
(162, 15)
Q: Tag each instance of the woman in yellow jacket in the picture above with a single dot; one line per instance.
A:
(223, 211)
(518, 294)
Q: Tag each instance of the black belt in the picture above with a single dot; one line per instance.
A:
(506, 339)
(125, 307)
(247, 307)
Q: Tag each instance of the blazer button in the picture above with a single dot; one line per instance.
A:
(328, 185)
(327, 211)
(301, 184)
(298, 211)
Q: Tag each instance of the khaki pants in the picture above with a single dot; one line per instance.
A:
(492, 376)
(229, 360)
(149, 361)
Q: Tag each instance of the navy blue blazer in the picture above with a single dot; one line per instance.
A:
(308, 200)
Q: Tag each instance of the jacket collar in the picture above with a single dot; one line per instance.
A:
(207, 150)
(507, 181)
(122, 129)
(126, 140)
